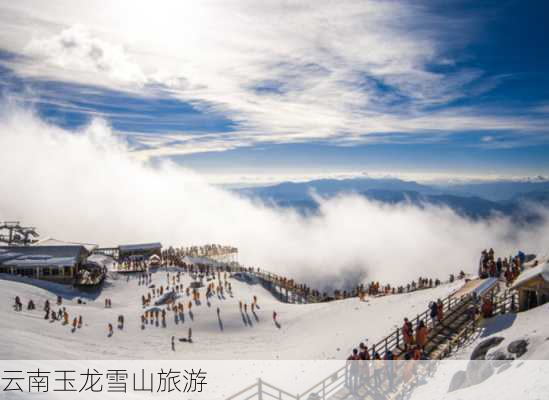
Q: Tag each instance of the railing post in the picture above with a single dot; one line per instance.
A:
(398, 337)
(260, 389)
(323, 390)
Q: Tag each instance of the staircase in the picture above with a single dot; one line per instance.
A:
(454, 309)
(450, 330)
(458, 326)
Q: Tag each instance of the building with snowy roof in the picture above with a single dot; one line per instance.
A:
(533, 286)
(58, 263)
(139, 251)
(56, 242)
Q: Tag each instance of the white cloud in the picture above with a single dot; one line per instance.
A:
(84, 186)
(75, 50)
(165, 145)
(336, 71)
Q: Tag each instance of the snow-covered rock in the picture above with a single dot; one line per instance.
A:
(479, 353)
(518, 347)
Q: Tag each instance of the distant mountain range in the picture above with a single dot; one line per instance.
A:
(474, 200)
(498, 190)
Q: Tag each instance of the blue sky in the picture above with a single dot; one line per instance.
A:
(455, 87)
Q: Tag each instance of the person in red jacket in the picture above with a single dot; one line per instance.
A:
(416, 354)
(421, 335)
(487, 308)
(364, 368)
(440, 310)
(352, 371)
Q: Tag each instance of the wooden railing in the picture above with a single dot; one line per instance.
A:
(324, 389)
(262, 390)
(337, 380)
(288, 290)
(504, 304)
(328, 386)
(394, 340)
(332, 384)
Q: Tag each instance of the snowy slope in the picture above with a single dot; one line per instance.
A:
(526, 377)
(532, 325)
(312, 331)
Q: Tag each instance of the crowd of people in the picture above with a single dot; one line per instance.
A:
(367, 368)
(161, 300)
(167, 297)
(307, 294)
(129, 265)
(376, 289)
(50, 314)
(300, 292)
(508, 268)
(206, 251)
(90, 275)
(414, 341)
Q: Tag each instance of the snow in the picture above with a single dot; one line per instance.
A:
(532, 325)
(201, 261)
(517, 380)
(318, 332)
(540, 270)
(307, 331)
(485, 286)
(104, 261)
(526, 377)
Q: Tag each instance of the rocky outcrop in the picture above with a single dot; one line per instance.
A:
(518, 347)
(479, 353)
(483, 364)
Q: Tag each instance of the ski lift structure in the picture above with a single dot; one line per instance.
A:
(13, 234)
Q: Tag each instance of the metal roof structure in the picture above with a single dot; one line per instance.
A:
(56, 242)
(126, 248)
(41, 256)
(486, 286)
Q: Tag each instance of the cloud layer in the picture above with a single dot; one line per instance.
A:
(283, 72)
(84, 186)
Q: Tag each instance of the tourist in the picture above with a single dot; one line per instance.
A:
(407, 333)
(352, 371)
(421, 335)
(433, 312)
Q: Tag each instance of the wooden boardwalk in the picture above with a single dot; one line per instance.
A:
(457, 327)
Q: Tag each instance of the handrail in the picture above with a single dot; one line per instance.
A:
(334, 381)
(389, 341)
(234, 396)
(322, 383)
(302, 291)
(447, 347)
(263, 383)
(328, 385)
